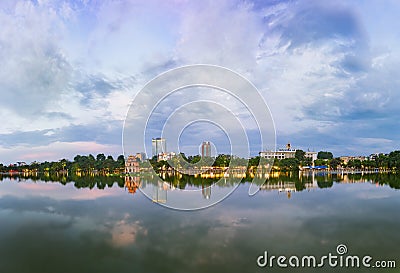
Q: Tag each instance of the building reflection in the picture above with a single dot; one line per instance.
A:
(160, 192)
(132, 183)
(289, 184)
(282, 183)
(206, 191)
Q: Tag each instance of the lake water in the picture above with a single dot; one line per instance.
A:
(94, 224)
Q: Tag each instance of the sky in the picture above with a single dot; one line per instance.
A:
(70, 69)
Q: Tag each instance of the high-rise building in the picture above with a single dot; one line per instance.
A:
(206, 149)
(159, 146)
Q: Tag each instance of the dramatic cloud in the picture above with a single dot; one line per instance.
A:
(328, 71)
(57, 150)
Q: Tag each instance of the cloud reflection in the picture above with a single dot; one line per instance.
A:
(125, 231)
(54, 191)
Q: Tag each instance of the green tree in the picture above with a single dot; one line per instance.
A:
(299, 155)
(55, 166)
(334, 163)
(109, 164)
(324, 155)
(254, 161)
(183, 156)
(289, 164)
(91, 162)
(393, 160)
(121, 161)
(222, 160)
(320, 162)
(100, 157)
(354, 163)
(65, 164)
(194, 159)
(34, 166)
(307, 161)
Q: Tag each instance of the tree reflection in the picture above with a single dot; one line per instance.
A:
(92, 181)
(293, 181)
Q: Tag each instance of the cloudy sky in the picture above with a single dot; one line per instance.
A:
(69, 69)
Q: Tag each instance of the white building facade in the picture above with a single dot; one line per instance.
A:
(286, 153)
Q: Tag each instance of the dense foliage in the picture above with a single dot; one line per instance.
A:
(81, 164)
(324, 155)
(102, 164)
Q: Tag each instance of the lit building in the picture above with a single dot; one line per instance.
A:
(132, 164)
(165, 156)
(286, 153)
(206, 149)
(132, 183)
(346, 159)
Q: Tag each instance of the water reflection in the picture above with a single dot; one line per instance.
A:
(132, 184)
(168, 181)
(73, 225)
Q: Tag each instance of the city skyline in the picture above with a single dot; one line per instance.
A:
(159, 144)
(328, 71)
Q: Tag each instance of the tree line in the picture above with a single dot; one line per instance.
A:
(102, 182)
(389, 161)
(82, 164)
(102, 164)
(381, 161)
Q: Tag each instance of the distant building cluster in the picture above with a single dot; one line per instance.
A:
(346, 159)
(159, 149)
(288, 152)
(159, 146)
(165, 156)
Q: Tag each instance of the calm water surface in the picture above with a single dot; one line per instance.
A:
(100, 225)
